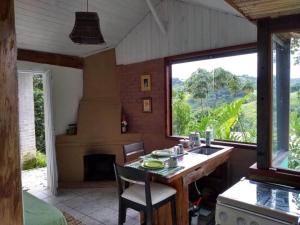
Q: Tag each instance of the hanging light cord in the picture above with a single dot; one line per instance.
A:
(87, 5)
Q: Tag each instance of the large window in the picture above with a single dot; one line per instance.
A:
(286, 100)
(216, 91)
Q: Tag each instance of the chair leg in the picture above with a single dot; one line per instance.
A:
(148, 214)
(173, 209)
(122, 212)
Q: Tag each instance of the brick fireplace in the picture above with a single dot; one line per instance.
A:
(99, 117)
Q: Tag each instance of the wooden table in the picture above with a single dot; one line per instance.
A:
(195, 166)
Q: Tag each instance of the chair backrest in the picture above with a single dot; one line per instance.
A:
(133, 151)
(133, 175)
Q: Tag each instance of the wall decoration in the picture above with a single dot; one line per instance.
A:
(145, 83)
(147, 105)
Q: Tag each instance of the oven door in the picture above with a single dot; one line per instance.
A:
(229, 215)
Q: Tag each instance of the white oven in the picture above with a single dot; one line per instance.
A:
(255, 203)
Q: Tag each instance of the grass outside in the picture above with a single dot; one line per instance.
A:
(38, 161)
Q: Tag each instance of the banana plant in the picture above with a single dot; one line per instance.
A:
(225, 117)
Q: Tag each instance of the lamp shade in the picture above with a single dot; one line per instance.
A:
(87, 29)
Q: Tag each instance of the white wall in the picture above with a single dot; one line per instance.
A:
(189, 28)
(26, 115)
(67, 92)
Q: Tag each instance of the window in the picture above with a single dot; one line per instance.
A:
(286, 100)
(217, 91)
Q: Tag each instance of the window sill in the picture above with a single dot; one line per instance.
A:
(284, 177)
(238, 145)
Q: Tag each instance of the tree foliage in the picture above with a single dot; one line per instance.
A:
(295, 49)
(181, 113)
(294, 144)
(39, 112)
(224, 117)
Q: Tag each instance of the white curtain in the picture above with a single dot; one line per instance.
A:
(50, 135)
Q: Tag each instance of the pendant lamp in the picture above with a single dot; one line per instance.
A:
(87, 28)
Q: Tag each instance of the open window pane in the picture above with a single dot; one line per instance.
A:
(286, 101)
(217, 93)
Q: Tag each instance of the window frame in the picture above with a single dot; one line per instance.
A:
(202, 55)
(266, 27)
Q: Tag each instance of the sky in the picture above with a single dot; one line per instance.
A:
(238, 65)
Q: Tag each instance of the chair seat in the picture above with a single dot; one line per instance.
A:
(159, 192)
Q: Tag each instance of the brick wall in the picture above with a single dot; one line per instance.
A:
(26, 114)
(150, 125)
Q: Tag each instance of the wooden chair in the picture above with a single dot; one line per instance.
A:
(142, 195)
(133, 151)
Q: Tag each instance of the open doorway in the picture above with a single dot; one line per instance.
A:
(36, 132)
(32, 131)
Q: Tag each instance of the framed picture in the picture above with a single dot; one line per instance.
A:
(145, 83)
(147, 105)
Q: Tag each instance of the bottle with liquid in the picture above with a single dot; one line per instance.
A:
(208, 136)
(124, 124)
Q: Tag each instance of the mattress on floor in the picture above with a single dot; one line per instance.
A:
(38, 212)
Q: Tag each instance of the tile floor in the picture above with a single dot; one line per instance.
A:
(95, 206)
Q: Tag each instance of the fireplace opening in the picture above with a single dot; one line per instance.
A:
(99, 167)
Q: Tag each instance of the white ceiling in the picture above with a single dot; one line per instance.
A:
(45, 25)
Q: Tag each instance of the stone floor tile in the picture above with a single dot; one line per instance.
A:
(89, 221)
(106, 216)
(76, 202)
(65, 196)
(51, 200)
(90, 207)
(133, 214)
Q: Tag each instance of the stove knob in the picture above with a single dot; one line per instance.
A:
(223, 216)
(254, 223)
(240, 221)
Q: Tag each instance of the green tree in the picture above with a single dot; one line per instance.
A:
(294, 124)
(294, 153)
(198, 85)
(248, 87)
(295, 49)
(224, 94)
(39, 112)
(221, 78)
(181, 114)
(234, 85)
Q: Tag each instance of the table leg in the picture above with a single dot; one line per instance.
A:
(182, 201)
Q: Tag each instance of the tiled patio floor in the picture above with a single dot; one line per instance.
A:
(95, 206)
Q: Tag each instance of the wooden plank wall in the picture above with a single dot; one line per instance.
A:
(189, 28)
(10, 182)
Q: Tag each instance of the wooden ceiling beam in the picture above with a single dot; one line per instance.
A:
(50, 58)
(259, 9)
(232, 4)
